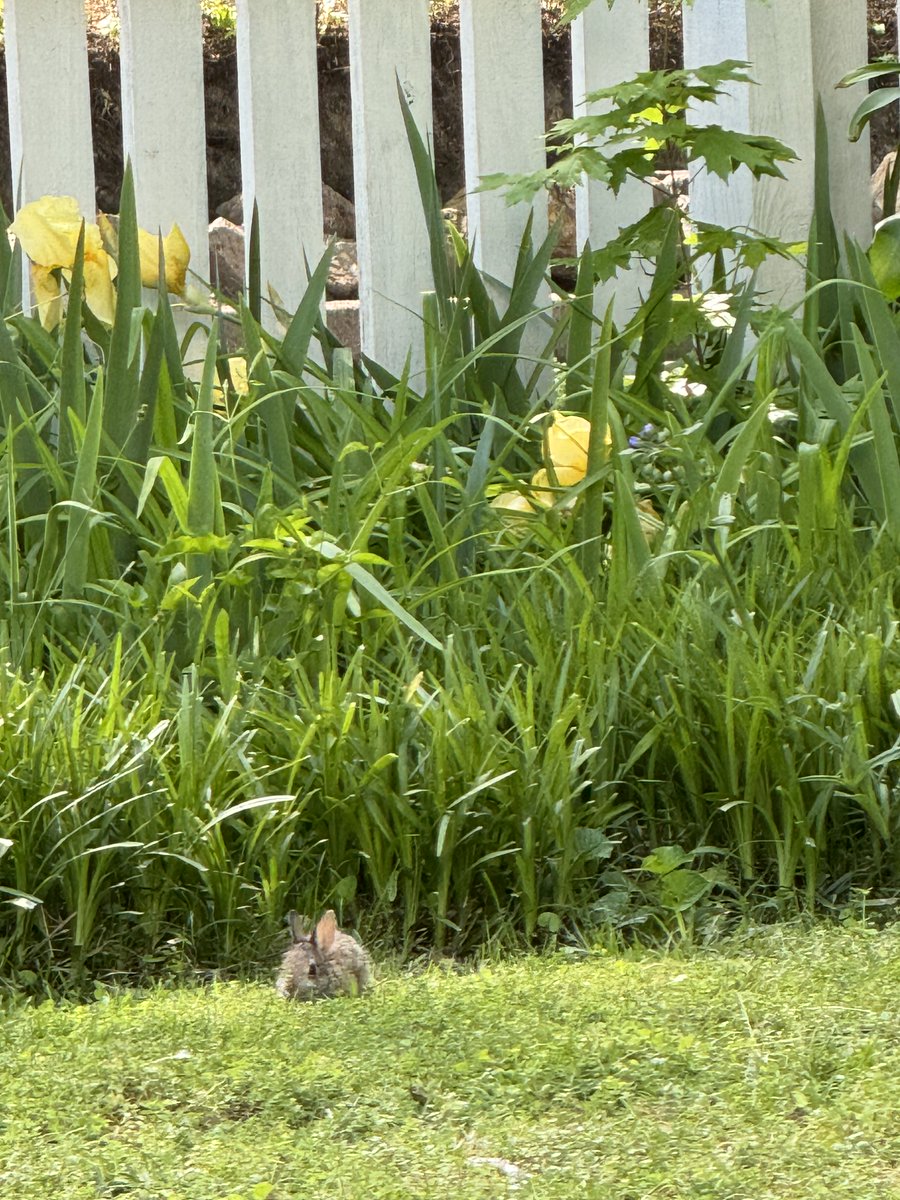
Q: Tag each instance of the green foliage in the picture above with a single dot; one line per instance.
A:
(642, 116)
(640, 120)
(875, 102)
(278, 648)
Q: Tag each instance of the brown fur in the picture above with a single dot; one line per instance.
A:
(323, 963)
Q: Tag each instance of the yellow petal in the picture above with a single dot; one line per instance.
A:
(512, 502)
(48, 294)
(566, 447)
(541, 494)
(566, 444)
(48, 230)
(237, 373)
(109, 234)
(98, 289)
(95, 251)
(177, 255)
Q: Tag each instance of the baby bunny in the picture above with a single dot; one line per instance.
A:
(323, 963)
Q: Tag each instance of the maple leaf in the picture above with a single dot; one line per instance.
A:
(724, 151)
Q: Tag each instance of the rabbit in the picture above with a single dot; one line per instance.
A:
(323, 963)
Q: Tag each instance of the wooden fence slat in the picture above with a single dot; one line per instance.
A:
(608, 46)
(49, 101)
(280, 163)
(503, 122)
(797, 51)
(163, 123)
(388, 41)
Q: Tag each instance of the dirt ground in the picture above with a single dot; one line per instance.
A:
(220, 69)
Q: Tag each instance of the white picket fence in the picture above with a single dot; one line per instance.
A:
(798, 50)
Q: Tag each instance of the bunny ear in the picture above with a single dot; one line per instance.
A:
(325, 931)
(297, 926)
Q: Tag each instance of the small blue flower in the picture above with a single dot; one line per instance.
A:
(648, 430)
(634, 442)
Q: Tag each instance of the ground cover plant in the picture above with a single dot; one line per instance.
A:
(763, 1071)
(274, 635)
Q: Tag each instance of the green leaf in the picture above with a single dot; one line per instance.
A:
(592, 844)
(884, 257)
(380, 593)
(873, 103)
(83, 489)
(664, 859)
(681, 890)
(724, 151)
(123, 366)
(72, 396)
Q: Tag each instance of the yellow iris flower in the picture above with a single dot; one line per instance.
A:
(566, 455)
(566, 442)
(48, 232)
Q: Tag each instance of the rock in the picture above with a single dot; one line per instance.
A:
(455, 210)
(339, 214)
(342, 318)
(226, 256)
(226, 263)
(879, 179)
(561, 207)
(343, 275)
(232, 210)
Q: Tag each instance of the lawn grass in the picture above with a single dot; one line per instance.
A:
(767, 1068)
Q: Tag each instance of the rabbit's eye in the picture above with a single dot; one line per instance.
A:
(313, 970)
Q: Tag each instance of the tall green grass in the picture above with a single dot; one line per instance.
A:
(277, 650)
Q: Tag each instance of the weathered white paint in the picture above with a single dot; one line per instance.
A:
(163, 123)
(280, 164)
(610, 45)
(390, 40)
(798, 52)
(503, 122)
(49, 101)
(840, 44)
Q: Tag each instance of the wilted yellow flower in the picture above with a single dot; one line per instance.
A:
(48, 231)
(544, 491)
(512, 502)
(176, 252)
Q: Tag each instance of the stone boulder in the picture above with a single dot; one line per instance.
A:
(339, 214)
(226, 263)
(226, 256)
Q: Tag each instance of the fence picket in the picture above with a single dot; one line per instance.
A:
(503, 122)
(797, 51)
(392, 240)
(163, 123)
(610, 45)
(49, 101)
(280, 163)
